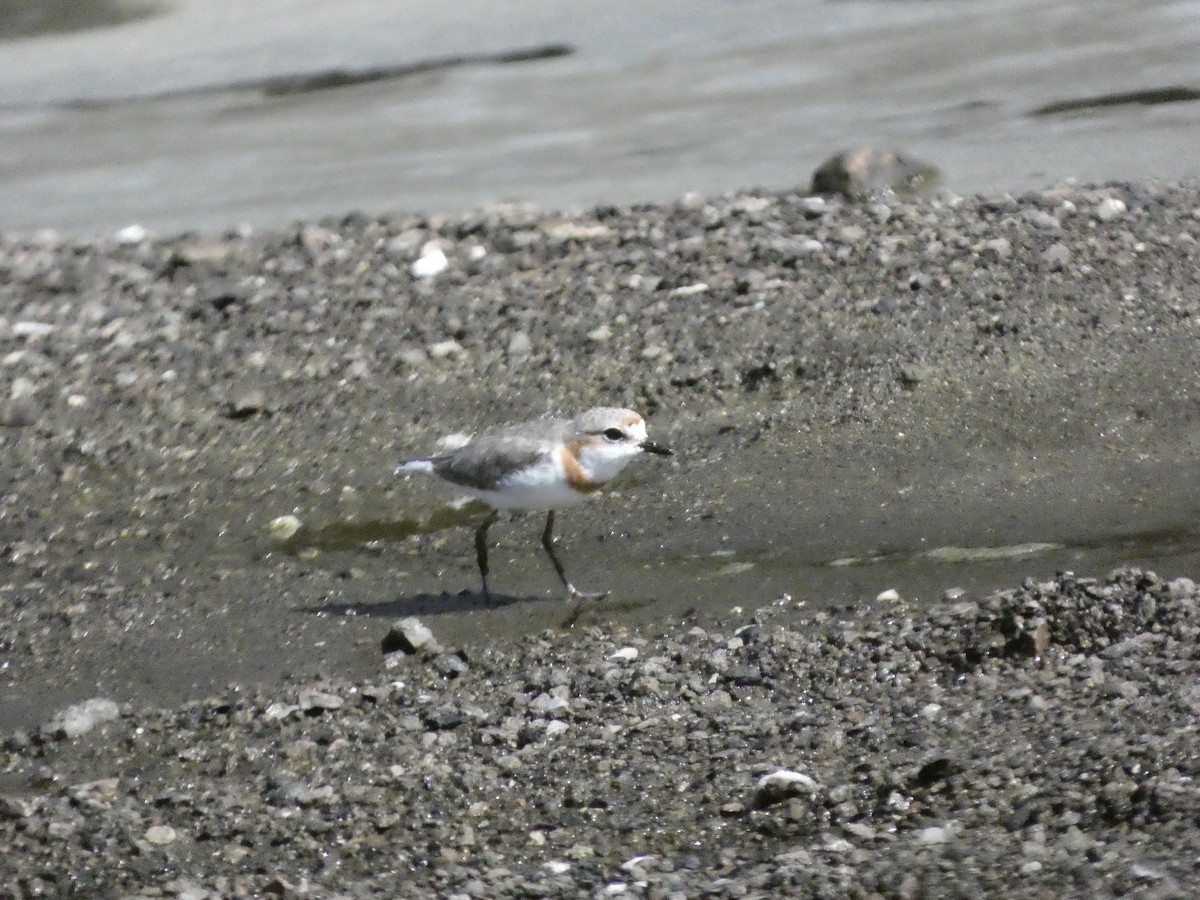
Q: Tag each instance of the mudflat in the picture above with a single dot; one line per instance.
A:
(972, 378)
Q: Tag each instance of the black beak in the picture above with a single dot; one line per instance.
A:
(650, 447)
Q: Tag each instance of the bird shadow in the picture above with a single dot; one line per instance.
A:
(427, 604)
(416, 605)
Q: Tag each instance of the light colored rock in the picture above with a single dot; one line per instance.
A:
(431, 262)
(443, 349)
(1110, 208)
(83, 717)
(783, 784)
(410, 635)
(160, 835)
(131, 234)
(313, 699)
(284, 528)
(32, 329)
(520, 344)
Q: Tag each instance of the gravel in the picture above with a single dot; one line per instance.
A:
(204, 546)
(890, 752)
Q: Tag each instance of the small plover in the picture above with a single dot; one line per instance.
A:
(548, 464)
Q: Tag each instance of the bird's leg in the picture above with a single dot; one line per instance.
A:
(481, 551)
(548, 545)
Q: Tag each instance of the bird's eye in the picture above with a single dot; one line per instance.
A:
(614, 434)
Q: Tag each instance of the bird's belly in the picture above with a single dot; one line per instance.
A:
(543, 486)
(542, 496)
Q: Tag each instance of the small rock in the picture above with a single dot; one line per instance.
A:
(431, 262)
(316, 701)
(1033, 641)
(782, 785)
(814, 207)
(401, 246)
(869, 172)
(413, 357)
(18, 414)
(277, 712)
(443, 349)
(1110, 208)
(218, 293)
(187, 889)
(131, 235)
(1043, 220)
(92, 793)
(520, 344)
(160, 835)
(17, 807)
(912, 374)
(935, 834)
(451, 665)
(32, 329)
(998, 248)
(936, 770)
(83, 717)
(1056, 256)
(410, 636)
(284, 528)
(1180, 588)
(249, 403)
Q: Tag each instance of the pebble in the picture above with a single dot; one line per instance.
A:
(78, 720)
(32, 329)
(410, 635)
(160, 835)
(1056, 256)
(520, 344)
(283, 528)
(781, 785)
(1110, 209)
(18, 413)
(432, 261)
(867, 172)
(443, 349)
(131, 235)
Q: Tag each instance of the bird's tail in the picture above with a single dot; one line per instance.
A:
(424, 465)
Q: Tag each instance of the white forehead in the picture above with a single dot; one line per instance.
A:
(636, 427)
(596, 420)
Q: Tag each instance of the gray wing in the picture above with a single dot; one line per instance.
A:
(484, 463)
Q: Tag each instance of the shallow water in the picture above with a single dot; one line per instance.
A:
(141, 122)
